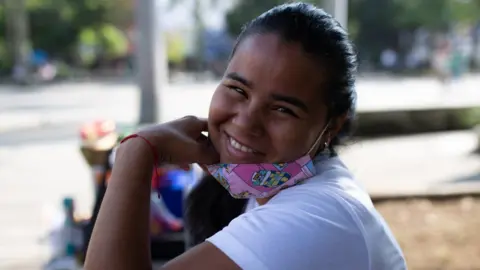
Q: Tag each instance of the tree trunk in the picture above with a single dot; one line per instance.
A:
(18, 31)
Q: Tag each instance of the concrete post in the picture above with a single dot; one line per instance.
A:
(339, 10)
(151, 62)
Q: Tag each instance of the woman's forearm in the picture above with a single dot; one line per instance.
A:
(120, 239)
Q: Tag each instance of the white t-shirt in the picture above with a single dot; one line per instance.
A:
(327, 222)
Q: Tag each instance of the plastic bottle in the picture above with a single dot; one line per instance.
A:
(70, 239)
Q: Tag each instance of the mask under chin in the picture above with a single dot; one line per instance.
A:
(261, 180)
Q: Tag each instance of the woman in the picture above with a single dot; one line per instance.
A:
(287, 95)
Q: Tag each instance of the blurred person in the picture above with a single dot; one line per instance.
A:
(459, 60)
(38, 57)
(287, 95)
(47, 71)
(132, 39)
(476, 47)
(441, 61)
(44, 69)
(456, 64)
(19, 73)
(388, 59)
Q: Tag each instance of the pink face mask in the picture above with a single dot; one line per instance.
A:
(266, 179)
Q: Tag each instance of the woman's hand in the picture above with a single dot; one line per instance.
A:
(126, 205)
(181, 141)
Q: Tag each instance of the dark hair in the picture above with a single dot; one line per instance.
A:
(209, 207)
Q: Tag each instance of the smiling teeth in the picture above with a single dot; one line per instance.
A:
(240, 147)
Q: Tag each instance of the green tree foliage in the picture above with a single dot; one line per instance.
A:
(246, 10)
(435, 14)
(4, 61)
(2, 21)
(376, 24)
(176, 49)
(374, 28)
(114, 41)
(55, 25)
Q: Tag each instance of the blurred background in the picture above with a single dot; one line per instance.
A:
(76, 75)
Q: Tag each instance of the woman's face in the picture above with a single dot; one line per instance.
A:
(269, 106)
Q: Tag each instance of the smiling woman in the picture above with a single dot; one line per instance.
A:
(285, 102)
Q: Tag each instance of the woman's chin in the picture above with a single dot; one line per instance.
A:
(233, 160)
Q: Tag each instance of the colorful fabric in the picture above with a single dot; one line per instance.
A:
(261, 180)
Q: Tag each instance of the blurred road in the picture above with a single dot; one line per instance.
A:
(72, 103)
(435, 163)
(40, 161)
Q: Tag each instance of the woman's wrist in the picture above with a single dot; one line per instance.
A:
(135, 151)
(134, 163)
(156, 141)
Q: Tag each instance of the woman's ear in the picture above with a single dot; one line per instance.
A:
(336, 125)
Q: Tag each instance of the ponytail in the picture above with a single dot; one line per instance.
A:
(208, 209)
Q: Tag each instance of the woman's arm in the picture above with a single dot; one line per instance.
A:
(121, 238)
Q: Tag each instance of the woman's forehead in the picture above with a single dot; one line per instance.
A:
(269, 63)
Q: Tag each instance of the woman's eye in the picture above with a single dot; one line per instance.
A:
(285, 110)
(238, 90)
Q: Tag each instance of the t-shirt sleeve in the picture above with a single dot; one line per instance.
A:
(294, 233)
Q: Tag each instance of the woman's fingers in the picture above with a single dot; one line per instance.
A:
(181, 141)
(206, 153)
(195, 125)
(209, 157)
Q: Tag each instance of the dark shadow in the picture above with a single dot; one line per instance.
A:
(467, 179)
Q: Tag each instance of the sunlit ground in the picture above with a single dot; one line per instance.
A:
(436, 234)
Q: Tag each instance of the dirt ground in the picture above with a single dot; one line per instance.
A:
(436, 234)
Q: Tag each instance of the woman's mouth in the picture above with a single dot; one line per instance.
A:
(238, 146)
(240, 153)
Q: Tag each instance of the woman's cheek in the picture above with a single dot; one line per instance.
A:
(288, 139)
(222, 106)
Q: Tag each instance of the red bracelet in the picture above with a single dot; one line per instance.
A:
(154, 152)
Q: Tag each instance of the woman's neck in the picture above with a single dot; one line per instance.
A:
(263, 201)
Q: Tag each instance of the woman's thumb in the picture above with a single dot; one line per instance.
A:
(207, 153)
(195, 125)
(211, 157)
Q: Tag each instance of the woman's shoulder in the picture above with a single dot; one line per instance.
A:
(289, 222)
(333, 194)
(332, 197)
(335, 199)
(329, 217)
(333, 183)
(298, 218)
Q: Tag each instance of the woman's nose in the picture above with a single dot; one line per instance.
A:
(249, 120)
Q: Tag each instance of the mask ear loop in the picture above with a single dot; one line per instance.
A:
(319, 138)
